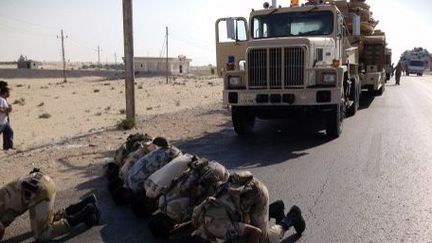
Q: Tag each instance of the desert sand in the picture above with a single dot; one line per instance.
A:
(47, 110)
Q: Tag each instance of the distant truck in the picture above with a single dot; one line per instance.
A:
(417, 67)
(416, 61)
(309, 59)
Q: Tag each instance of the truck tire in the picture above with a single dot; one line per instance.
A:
(334, 123)
(421, 74)
(352, 110)
(243, 120)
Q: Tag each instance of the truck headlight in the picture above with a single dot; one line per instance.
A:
(235, 82)
(329, 78)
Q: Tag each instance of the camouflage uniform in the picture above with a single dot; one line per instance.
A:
(133, 157)
(133, 143)
(147, 165)
(223, 218)
(35, 192)
(199, 181)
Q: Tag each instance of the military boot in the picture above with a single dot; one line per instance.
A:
(277, 211)
(294, 218)
(89, 215)
(75, 208)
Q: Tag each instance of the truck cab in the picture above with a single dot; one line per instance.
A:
(285, 60)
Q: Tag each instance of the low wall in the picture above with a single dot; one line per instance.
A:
(40, 73)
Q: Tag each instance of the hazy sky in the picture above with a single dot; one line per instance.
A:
(31, 27)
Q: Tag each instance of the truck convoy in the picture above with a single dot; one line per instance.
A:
(416, 61)
(313, 58)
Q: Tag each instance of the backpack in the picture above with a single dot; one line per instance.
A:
(133, 143)
(226, 204)
(147, 165)
(199, 181)
(162, 178)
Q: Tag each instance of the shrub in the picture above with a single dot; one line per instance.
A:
(41, 104)
(126, 124)
(45, 116)
(96, 91)
(20, 101)
(122, 111)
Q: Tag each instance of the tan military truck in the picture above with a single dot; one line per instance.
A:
(293, 59)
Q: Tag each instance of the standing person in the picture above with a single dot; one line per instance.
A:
(398, 73)
(36, 193)
(5, 127)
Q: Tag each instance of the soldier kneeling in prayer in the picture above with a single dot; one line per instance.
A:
(36, 192)
(239, 212)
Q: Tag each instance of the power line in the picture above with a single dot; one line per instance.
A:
(25, 31)
(4, 16)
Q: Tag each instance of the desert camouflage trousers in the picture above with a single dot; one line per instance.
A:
(45, 223)
(42, 213)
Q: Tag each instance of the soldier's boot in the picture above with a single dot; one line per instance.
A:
(277, 211)
(89, 215)
(294, 218)
(75, 208)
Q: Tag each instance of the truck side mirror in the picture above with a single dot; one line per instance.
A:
(231, 29)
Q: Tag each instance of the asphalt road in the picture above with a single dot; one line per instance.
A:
(373, 184)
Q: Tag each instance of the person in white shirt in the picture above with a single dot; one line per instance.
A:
(5, 127)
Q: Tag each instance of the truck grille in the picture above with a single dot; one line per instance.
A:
(276, 68)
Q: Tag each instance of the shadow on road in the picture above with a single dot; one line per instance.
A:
(291, 239)
(273, 142)
(366, 101)
(19, 238)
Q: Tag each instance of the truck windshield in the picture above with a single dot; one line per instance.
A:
(417, 63)
(293, 24)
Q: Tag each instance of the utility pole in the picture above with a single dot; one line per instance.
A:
(99, 50)
(129, 59)
(115, 58)
(167, 70)
(62, 37)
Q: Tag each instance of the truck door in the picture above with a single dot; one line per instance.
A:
(231, 43)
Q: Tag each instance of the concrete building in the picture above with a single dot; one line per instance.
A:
(24, 63)
(176, 66)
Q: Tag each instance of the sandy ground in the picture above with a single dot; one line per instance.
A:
(89, 104)
(77, 166)
(79, 138)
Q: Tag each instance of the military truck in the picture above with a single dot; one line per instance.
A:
(313, 58)
(417, 67)
(416, 61)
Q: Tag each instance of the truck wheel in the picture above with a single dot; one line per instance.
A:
(421, 74)
(334, 124)
(243, 120)
(352, 110)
